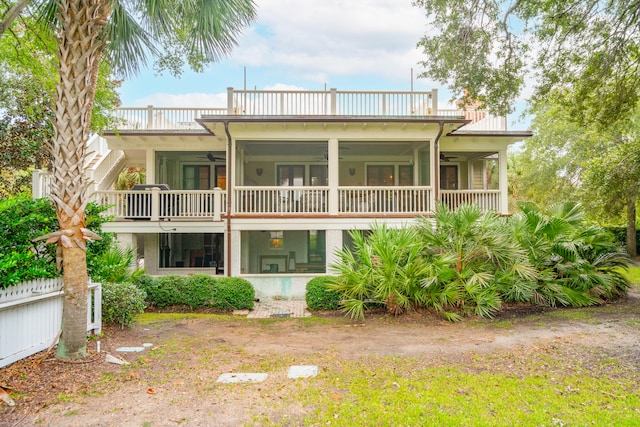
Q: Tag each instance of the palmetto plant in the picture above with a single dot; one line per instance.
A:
(124, 32)
(580, 264)
(473, 262)
(383, 268)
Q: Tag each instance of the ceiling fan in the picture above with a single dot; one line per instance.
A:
(212, 158)
(324, 157)
(444, 158)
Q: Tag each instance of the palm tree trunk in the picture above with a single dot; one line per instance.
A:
(81, 22)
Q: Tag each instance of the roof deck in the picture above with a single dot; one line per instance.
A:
(327, 103)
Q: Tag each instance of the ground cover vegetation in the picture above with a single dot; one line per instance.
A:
(529, 366)
(469, 262)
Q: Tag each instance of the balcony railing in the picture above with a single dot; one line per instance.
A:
(487, 200)
(270, 200)
(155, 204)
(412, 200)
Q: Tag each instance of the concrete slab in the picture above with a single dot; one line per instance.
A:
(302, 371)
(112, 359)
(130, 349)
(235, 378)
(279, 308)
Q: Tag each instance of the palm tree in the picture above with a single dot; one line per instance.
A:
(87, 30)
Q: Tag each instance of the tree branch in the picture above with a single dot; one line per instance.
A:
(11, 15)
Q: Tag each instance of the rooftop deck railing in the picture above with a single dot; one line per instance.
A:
(302, 103)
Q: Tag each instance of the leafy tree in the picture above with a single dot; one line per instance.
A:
(568, 161)
(611, 181)
(485, 49)
(123, 32)
(27, 90)
(584, 57)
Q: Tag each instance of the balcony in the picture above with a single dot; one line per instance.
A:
(189, 205)
(155, 204)
(331, 102)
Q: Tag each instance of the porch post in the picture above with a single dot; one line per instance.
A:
(504, 183)
(150, 165)
(435, 173)
(333, 175)
(333, 243)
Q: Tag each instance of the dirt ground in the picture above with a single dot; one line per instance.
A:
(173, 382)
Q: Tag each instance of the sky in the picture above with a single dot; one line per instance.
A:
(307, 45)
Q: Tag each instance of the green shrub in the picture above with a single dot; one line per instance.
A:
(232, 293)
(167, 290)
(121, 302)
(144, 282)
(319, 297)
(115, 265)
(21, 221)
(199, 291)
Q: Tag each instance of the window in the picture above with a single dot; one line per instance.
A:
(291, 175)
(318, 175)
(196, 177)
(316, 246)
(191, 250)
(380, 175)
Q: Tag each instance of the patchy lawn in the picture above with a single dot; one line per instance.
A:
(535, 367)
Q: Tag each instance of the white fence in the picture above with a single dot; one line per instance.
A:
(31, 316)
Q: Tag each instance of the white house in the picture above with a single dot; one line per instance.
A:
(268, 187)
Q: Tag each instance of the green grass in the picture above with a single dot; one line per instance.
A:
(634, 276)
(148, 318)
(396, 391)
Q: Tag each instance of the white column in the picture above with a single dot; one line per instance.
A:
(236, 252)
(333, 243)
(435, 169)
(150, 167)
(333, 175)
(504, 183)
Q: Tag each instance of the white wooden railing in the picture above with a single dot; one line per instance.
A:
(415, 200)
(487, 200)
(279, 103)
(309, 200)
(332, 102)
(154, 118)
(268, 200)
(480, 119)
(155, 204)
(31, 316)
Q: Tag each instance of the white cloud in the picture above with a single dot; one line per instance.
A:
(334, 37)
